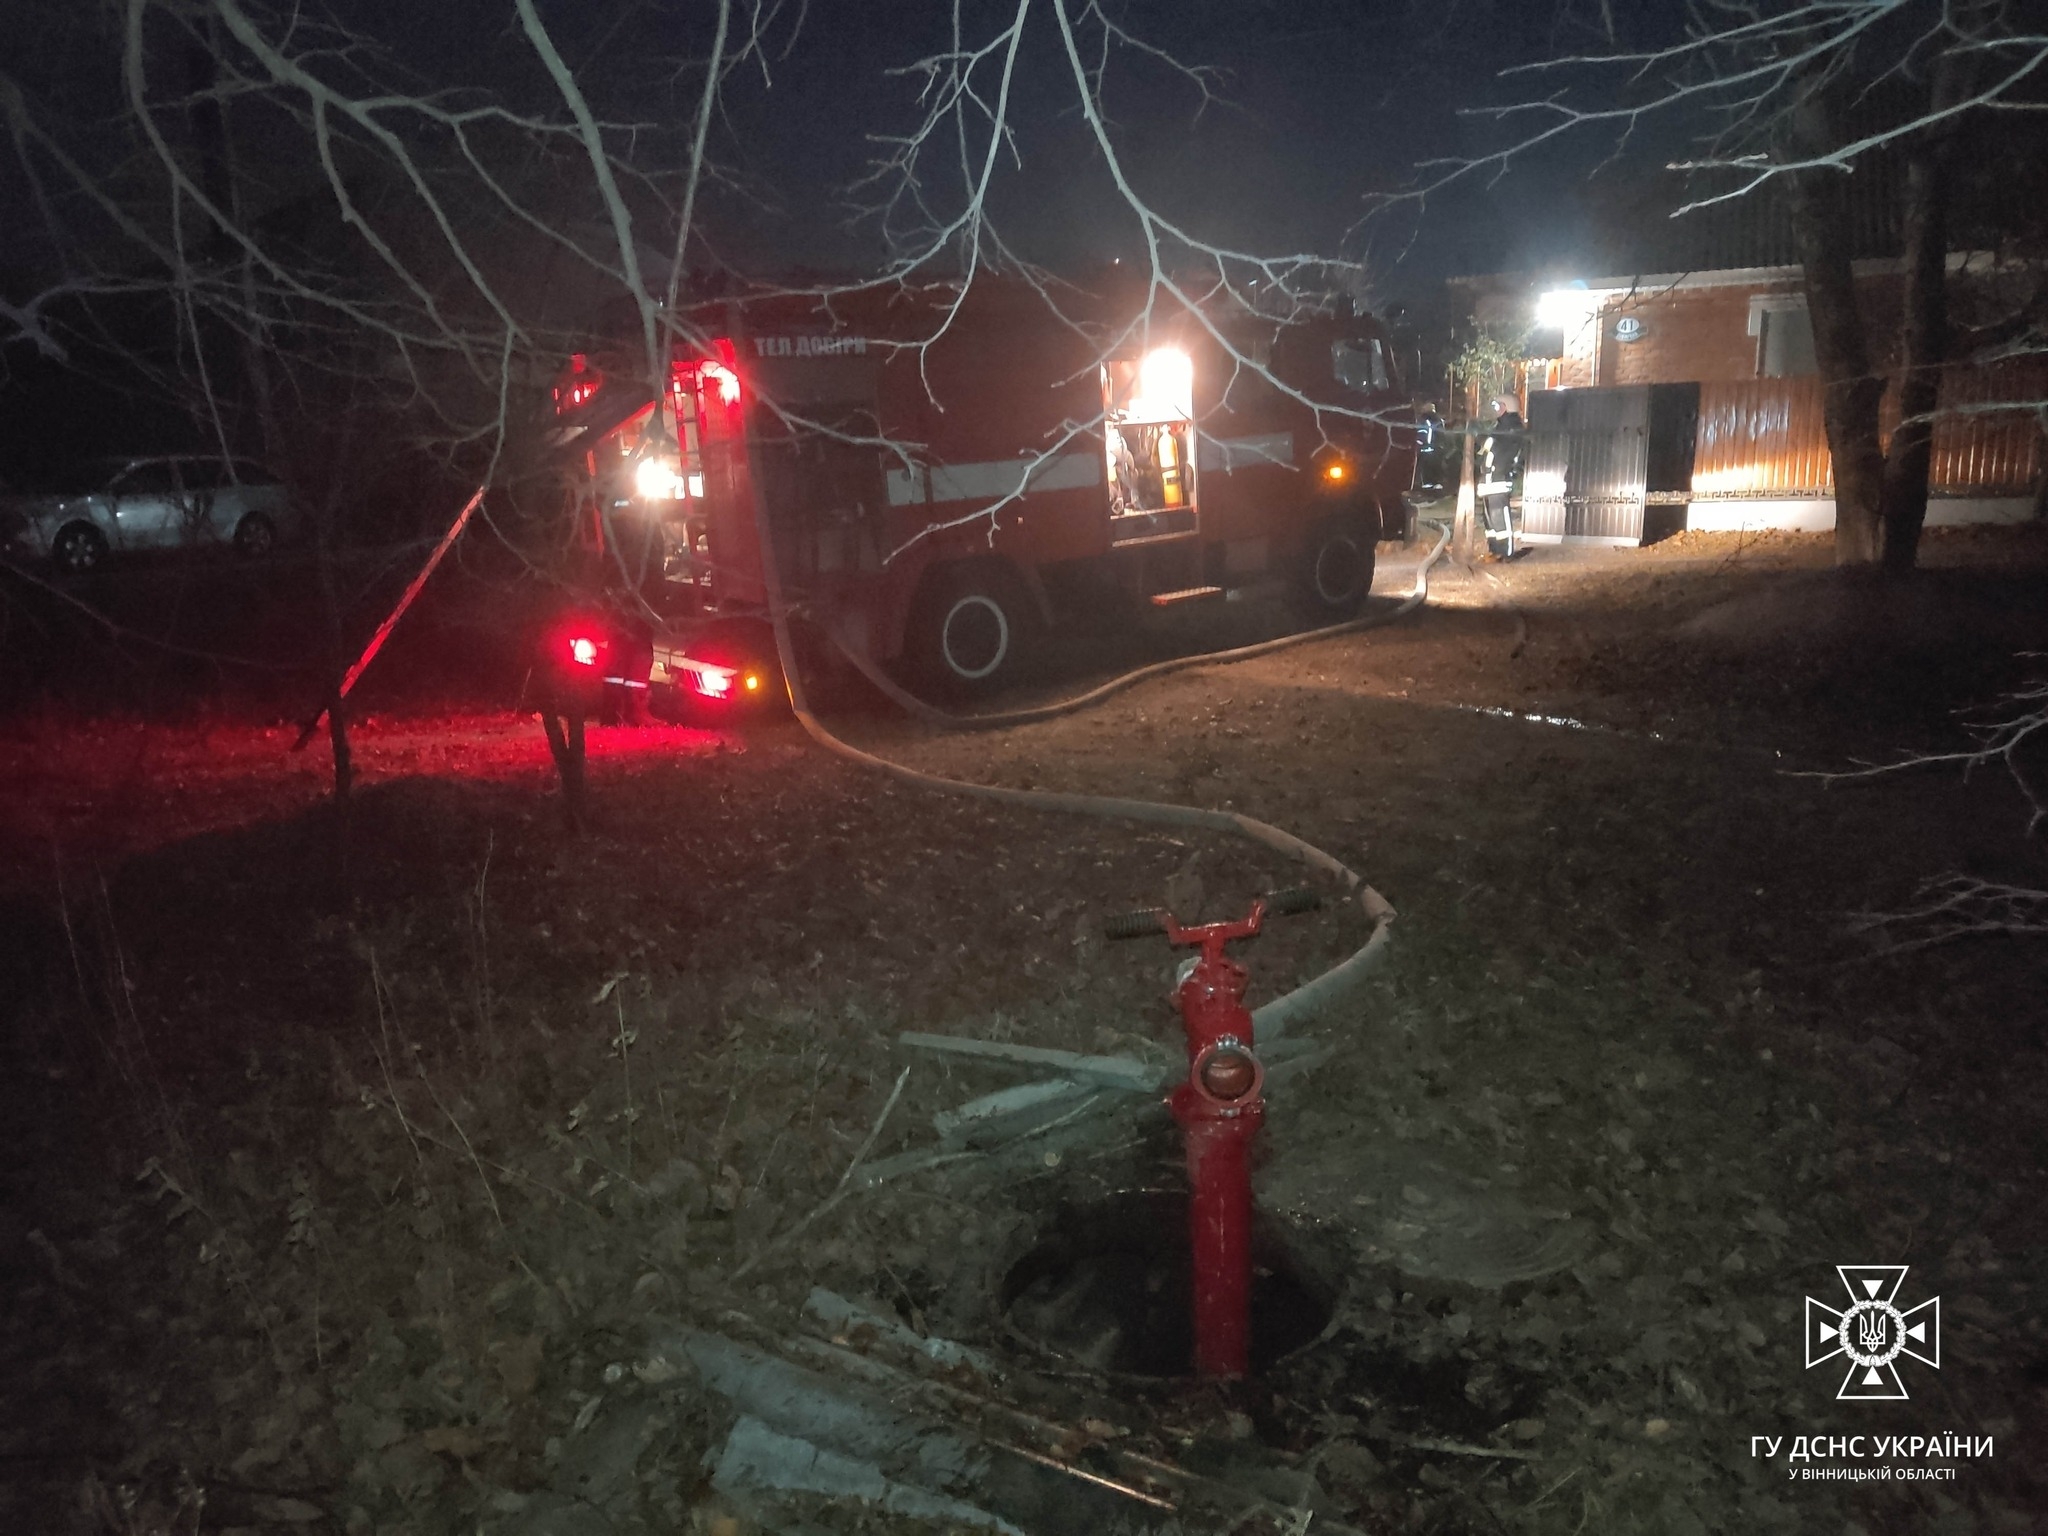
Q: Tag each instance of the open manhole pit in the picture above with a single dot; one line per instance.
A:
(1110, 1284)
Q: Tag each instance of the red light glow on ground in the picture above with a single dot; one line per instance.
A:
(90, 792)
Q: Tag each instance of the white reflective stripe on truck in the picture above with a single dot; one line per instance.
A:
(1229, 453)
(994, 479)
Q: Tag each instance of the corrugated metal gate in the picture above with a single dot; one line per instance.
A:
(1586, 467)
(1610, 466)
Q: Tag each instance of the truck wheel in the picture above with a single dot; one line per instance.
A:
(972, 630)
(1333, 573)
(79, 547)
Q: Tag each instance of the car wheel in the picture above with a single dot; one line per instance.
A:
(255, 535)
(1333, 573)
(79, 547)
(973, 630)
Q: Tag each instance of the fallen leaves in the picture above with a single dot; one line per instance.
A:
(517, 1362)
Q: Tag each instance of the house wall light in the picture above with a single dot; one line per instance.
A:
(1565, 309)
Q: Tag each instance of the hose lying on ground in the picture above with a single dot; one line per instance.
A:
(1275, 1018)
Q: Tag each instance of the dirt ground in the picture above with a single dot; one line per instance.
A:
(363, 1174)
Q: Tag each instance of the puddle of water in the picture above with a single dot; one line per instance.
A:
(1110, 1284)
(1564, 722)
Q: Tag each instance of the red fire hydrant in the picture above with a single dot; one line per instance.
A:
(1219, 1109)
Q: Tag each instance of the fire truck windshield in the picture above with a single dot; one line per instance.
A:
(1361, 365)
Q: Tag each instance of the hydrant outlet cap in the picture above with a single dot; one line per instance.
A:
(1229, 1074)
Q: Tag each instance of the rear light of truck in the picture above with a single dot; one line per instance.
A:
(583, 650)
(707, 678)
(713, 681)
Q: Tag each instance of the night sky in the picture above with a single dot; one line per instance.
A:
(1323, 105)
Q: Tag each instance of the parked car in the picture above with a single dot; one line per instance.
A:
(130, 505)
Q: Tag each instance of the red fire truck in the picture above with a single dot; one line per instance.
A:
(945, 476)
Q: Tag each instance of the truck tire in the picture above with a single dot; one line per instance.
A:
(1332, 574)
(972, 630)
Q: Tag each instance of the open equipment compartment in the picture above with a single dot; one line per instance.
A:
(1148, 438)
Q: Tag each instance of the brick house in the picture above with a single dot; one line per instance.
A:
(1690, 399)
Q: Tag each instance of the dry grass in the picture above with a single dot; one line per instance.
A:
(423, 1167)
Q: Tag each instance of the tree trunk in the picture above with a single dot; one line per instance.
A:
(2041, 474)
(1464, 532)
(337, 719)
(1820, 230)
(1923, 336)
(1924, 330)
(344, 755)
(566, 745)
(344, 782)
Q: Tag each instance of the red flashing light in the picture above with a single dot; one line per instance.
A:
(583, 651)
(579, 383)
(726, 380)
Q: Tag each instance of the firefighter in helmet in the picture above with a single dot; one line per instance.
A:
(1429, 449)
(1500, 471)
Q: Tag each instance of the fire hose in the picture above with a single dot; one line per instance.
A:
(913, 705)
(1220, 1106)
(1274, 1018)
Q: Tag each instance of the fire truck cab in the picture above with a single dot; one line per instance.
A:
(943, 476)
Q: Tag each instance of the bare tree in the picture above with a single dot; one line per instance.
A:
(1816, 99)
(931, 187)
(372, 254)
(368, 272)
(2011, 736)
